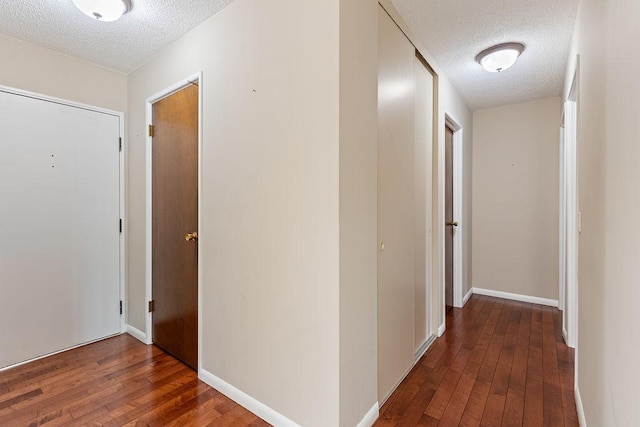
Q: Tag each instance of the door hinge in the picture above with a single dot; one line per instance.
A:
(120, 226)
(120, 306)
(152, 130)
(120, 144)
(152, 306)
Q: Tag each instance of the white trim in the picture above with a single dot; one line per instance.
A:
(24, 362)
(124, 233)
(137, 334)
(441, 329)
(260, 409)
(579, 408)
(62, 101)
(370, 417)
(562, 218)
(516, 297)
(572, 213)
(466, 297)
(564, 335)
(197, 77)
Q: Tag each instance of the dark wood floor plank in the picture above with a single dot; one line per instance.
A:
(534, 404)
(495, 365)
(462, 394)
(117, 381)
(477, 400)
(494, 409)
(551, 378)
(446, 389)
(514, 404)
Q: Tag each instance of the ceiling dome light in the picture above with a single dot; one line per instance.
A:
(500, 57)
(104, 10)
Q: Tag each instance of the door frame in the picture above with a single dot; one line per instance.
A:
(562, 225)
(458, 141)
(572, 224)
(192, 79)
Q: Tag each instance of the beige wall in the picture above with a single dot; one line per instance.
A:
(515, 198)
(40, 70)
(609, 243)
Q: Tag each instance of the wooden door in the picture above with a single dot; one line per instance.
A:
(451, 224)
(174, 222)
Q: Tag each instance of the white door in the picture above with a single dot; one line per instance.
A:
(59, 226)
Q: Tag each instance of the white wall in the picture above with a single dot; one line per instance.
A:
(37, 69)
(608, 176)
(515, 198)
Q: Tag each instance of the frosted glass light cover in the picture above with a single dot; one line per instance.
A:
(103, 10)
(500, 57)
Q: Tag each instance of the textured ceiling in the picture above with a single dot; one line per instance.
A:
(123, 45)
(455, 31)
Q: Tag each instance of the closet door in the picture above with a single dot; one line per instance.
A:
(395, 205)
(59, 226)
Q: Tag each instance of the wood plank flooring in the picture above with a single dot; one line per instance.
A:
(500, 363)
(115, 382)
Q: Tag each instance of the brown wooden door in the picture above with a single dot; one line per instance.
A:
(174, 215)
(450, 221)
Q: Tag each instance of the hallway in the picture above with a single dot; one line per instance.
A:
(500, 362)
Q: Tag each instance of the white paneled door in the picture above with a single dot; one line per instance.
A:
(59, 226)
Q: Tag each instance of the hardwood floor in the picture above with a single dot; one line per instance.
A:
(500, 362)
(114, 382)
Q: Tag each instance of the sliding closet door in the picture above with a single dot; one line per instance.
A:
(59, 226)
(423, 149)
(395, 205)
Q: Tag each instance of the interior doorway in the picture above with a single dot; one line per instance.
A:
(451, 223)
(174, 222)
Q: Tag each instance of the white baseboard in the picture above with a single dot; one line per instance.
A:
(580, 409)
(467, 296)
(137, 334)
(370, 417)
(441, 330)
(260, 409)
(516, 297)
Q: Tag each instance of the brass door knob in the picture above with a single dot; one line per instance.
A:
(452, 224)
(191, 237)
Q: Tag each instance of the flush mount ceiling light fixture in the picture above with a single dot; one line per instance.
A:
(499, 57)
(104, 10)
